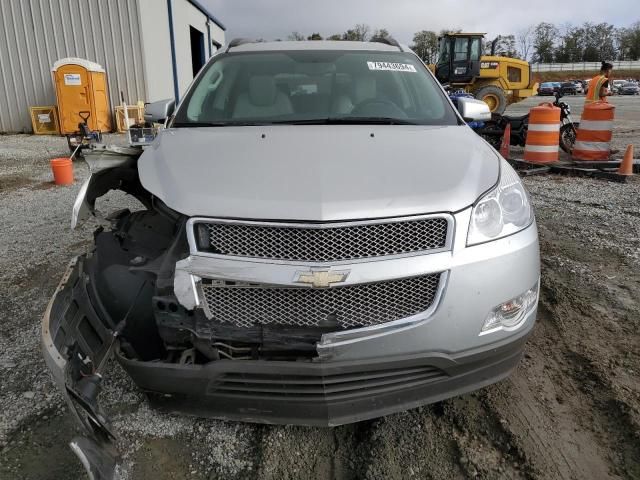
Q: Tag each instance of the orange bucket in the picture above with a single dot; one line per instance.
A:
(62, 170)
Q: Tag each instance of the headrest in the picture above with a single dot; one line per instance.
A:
(365, 88)
(262, 90)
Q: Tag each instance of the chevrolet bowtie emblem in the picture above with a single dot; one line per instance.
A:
(321, 278)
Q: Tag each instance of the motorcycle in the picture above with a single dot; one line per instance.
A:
(493, 130)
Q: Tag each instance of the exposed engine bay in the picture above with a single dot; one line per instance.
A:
(131, 274)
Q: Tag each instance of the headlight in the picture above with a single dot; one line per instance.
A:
(503, 211)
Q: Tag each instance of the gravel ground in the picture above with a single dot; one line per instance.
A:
(570, 410)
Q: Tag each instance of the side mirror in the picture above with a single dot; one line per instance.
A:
(158, 112)
(473, 110)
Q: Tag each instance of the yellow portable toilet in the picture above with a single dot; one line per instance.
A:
(81, 86)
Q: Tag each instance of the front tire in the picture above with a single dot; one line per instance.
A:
(568, 133)
(494, 97)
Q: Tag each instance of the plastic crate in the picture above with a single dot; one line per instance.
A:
(44, 120)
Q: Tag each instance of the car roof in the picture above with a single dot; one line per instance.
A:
(313, 45)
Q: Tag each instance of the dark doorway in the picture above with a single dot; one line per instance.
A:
(197, 49)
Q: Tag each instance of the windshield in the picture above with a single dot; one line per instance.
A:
(315, 87)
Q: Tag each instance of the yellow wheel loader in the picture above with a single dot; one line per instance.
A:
(498, 81)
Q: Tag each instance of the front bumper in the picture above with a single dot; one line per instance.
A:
(358, 374)
(320, 394)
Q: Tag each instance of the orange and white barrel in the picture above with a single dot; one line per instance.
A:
(543, 135)
(593, 140)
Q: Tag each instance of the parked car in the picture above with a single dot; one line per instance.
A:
(568, 88)
(578, 85)
(547, 88)
(629, 88)
(615, 86)
(321, 258)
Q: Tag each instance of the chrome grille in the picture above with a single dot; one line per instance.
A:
(343, 307)
(325, 243)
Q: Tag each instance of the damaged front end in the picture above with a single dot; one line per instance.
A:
(122, 298)
(306, 322)
(104, 296)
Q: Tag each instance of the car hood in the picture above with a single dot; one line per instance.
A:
(318, 173)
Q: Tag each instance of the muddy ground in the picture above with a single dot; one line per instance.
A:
(570, 410)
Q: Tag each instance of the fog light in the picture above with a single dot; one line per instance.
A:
(510, 314)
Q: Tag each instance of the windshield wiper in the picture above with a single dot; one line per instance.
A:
(371, 121)
(196, 124)
(347, 121)
(218, 124)
(308, 121)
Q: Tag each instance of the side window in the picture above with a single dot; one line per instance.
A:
(514, 74)
(475, 49)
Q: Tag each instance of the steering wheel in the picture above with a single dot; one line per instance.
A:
(381, 102)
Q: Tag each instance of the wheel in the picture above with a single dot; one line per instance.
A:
(568, 136)
(492, 96)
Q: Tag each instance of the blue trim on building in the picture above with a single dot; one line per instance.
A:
(200, 7)
(172, 41)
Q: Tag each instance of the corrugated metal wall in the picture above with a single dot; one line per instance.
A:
(36, 33)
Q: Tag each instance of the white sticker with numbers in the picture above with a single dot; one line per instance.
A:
(391, 66)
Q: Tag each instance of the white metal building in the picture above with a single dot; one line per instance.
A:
(150, 49)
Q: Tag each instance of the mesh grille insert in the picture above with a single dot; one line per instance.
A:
(324, 244)
(344, 307)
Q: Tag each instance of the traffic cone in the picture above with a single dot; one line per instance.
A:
(626, 167)
(505, 146)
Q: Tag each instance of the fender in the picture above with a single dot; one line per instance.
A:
(110, 168)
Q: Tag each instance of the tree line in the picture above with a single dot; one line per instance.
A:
(542, 43)
(589, 42)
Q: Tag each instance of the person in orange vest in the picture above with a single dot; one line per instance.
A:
(599, 85)
(599, 89)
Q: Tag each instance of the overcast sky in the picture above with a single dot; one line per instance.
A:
(271, 19)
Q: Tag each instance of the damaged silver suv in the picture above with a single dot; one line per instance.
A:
(324, 241)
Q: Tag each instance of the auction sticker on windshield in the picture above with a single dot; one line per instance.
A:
(390, 66)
